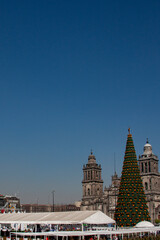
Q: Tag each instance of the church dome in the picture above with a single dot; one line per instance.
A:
(91, 158)
(147, 149)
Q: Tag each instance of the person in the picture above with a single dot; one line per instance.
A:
(115, 238)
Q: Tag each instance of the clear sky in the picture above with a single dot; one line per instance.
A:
(74, 75)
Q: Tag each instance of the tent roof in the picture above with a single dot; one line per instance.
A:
(74, 217)
(144, 224)
(90, 233)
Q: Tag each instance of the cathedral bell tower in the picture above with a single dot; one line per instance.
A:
(148, 164)
(92, 184)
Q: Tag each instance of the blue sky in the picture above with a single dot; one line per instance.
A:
(74, 76)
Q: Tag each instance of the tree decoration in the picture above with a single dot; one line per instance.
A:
(131, 205)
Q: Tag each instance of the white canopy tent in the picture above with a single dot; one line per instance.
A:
(144, 224)
(91, 233)
(74, 217)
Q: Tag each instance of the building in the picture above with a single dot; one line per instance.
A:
(94, 197)
(148, 164)
(9, 203)
(110, 196)
(92, 185)
(33, 208)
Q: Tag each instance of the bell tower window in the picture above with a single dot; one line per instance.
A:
(146, 168)
(149, 167)
(89, 192)
(150, 184)
(88, 175)
(146, 186)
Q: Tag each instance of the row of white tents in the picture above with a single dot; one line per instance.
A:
(96, 218)
(74, 217)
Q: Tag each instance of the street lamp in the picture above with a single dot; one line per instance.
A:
(53, 199)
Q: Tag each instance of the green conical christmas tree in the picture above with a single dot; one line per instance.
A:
(131, 205)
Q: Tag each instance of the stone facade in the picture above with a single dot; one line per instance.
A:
(9, 204)
(110, 196)
(31, 208)
(148, 164)
(92, 185)
(95, 198)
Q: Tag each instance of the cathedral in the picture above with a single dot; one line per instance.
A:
(96, 198)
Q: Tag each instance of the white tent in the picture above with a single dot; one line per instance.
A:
(111, 232)
(144, 224)
(74, 217)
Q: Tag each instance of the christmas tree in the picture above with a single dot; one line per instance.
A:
(131, 205)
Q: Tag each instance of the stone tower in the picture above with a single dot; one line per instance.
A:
(148, 164)
(111, 195)
(92, 185)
